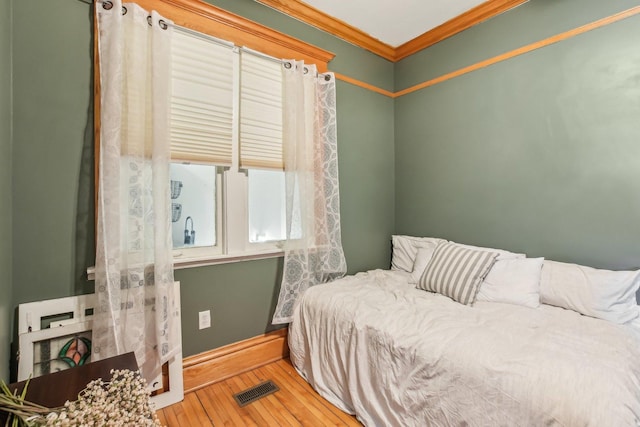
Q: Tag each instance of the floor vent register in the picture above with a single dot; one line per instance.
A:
(256, 392)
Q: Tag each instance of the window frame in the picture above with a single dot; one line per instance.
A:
(217, 250)
(232, 208)
(211, 20)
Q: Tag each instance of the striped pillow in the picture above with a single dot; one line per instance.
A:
(456, 272)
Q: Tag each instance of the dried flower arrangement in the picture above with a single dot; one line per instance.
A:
(122, 401)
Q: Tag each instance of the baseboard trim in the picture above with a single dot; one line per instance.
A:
(217, 365)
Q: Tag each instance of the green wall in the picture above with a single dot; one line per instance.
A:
(5, 186)
(53, 242)
(52, 149)
(537, 154)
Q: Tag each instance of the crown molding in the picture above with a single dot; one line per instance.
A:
(316, 18)
(608, 20)
(472, 17)
(308, 14)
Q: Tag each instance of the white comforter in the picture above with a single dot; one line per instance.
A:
(375, 346)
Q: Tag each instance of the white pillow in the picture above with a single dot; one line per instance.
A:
(604, 294)
(405, 249)
(423, 256)
(502, 254)
(513, 281)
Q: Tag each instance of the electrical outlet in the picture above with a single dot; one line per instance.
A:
(204, 319)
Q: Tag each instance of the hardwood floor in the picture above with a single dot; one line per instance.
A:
(295, 404)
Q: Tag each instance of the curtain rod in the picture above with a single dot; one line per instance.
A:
(286, 62)
(221, 42)
(262, 55)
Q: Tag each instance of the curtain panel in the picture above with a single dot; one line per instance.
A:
(313, 249)
(136, 310)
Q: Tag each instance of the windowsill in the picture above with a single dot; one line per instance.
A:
(184, 262)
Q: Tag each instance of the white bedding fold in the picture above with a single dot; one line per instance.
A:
(375, 346)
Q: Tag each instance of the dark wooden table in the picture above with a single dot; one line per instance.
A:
(53, 390)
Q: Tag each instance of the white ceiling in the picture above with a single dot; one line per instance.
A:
(394, 22)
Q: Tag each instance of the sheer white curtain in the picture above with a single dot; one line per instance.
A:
(136, 310)
(313, 249)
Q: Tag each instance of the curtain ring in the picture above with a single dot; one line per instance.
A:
(327, 77)
(163, 24)
(287, 65)
(306, 70)
(150, 20)
(107, 5)
(124, 10)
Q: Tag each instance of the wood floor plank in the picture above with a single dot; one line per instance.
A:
(295, 404)
(288, 367)
(226, 408)
(262, 406)
(216, 412)
(170, 417)
(229, 390)
(255, 409)
(202, 418)
(223, 395)
(175, 415)
(291, 370)
(273, 405)
(306, 396)
(190, 412)
(161, 417)
(306, 391)
(288, 399)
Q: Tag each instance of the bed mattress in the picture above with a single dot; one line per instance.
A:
(376, 347)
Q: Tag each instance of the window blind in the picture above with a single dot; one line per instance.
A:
(260, 113)
(202, 100)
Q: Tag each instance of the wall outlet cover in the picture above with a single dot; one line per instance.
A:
(204, 319)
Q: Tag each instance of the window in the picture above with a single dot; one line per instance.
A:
(194, 203)
(226, 148)
(267, 204)
(214, 22)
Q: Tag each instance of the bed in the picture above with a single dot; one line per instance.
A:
(377, 346)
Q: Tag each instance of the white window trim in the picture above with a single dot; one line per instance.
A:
(180, 262)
